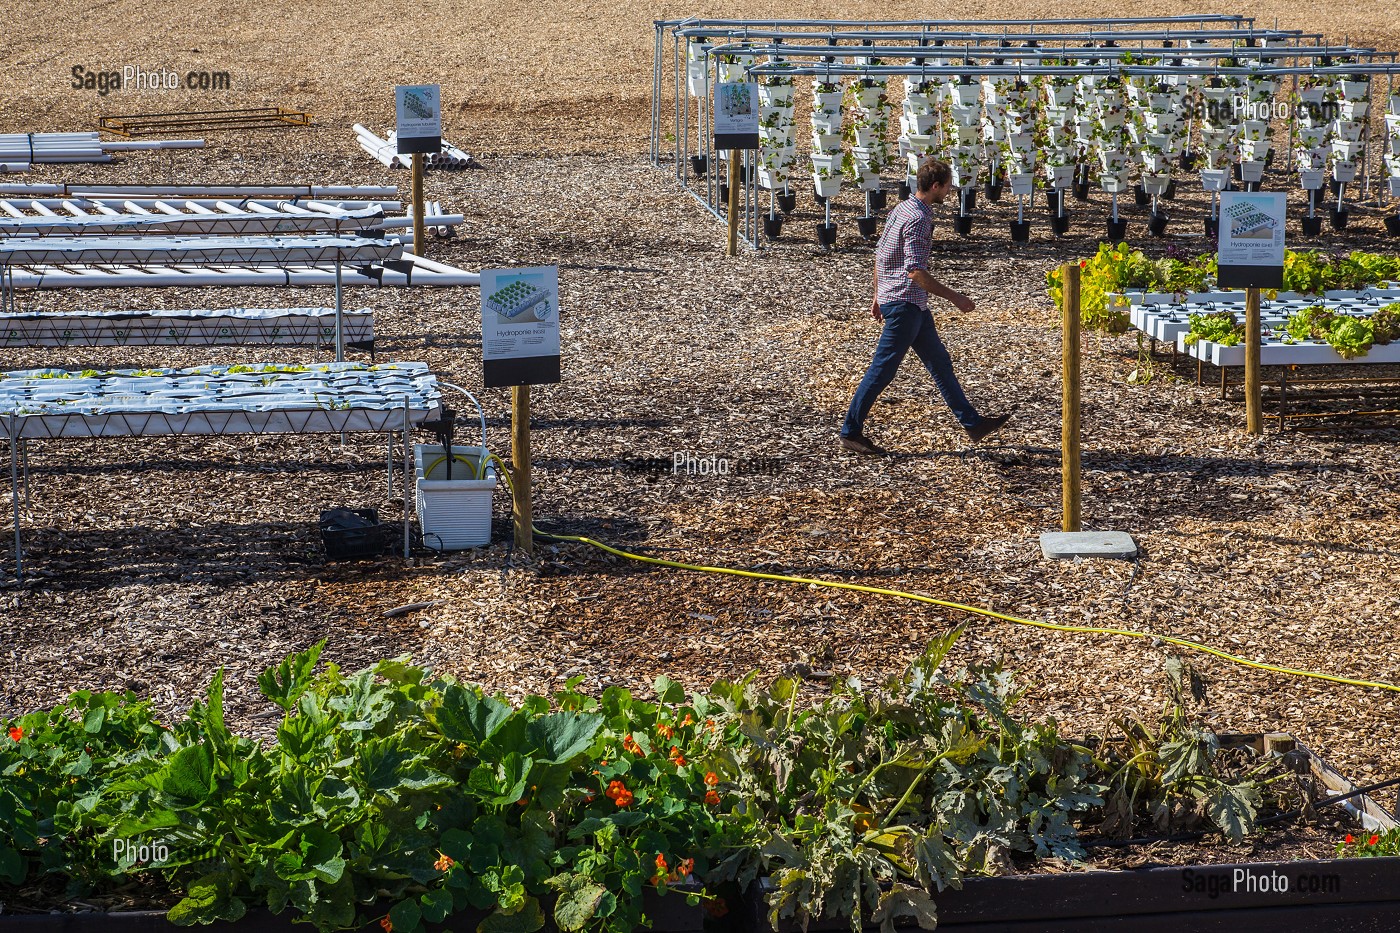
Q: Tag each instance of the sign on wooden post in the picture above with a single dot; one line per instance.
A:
(736, 129)
(520, 348)
(418, 130)
(1250, 256)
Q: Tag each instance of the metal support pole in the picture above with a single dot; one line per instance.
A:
(1069, 415)
(731, 247)
(408, 478)
(339, 311)
(1253, 397)
(389, 467)
(13, 425)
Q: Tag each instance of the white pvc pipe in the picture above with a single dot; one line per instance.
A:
(153, 144)
(49, 277)
(354, 192)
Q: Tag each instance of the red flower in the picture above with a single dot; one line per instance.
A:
(1373, 840)
(1083, 263)
(660, 862)
(677, 758)
(688, 720)
(16, 733)
(387, 924)
(712, 798)
(664, 730)
(711, 778)
(630, 744)
(1350, 839)
(444, 862)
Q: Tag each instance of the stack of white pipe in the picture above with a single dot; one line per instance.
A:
(386, 151)
(28, 148)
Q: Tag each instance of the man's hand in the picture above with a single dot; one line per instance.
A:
(960, 301)
(875, 309)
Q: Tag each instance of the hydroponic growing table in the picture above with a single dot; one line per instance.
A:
(267, 398)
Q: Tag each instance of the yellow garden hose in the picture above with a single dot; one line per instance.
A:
(960, 607)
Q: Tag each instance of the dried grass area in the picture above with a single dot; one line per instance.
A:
(154, 561)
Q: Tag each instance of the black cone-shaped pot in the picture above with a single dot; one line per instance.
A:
(826, 235)
(1392, 225)
(992, 190)
(787, 201)
(1339, 218)
(1081, 190)
(1157, 223)
(1117, 230)
(967, 198)
(1059, 224)
(1188, 161)
(867, 225)
(699, 164)
(1170, 193)
(1020, 231)
(1212, 227)
(904, 190)
(1054, 200)
(723, 192)
(1140, 196)
(962, 225)
(772, 225)
(879, 200)
(1334, 186)
(1312, 226)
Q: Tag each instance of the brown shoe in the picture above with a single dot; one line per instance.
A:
(987, 427)
(862, 445)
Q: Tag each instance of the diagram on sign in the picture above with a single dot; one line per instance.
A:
(519, 300)
(1248, 222)
(416, 104)
(735, 100)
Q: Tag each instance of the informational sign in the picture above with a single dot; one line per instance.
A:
(736, 115)
(1250, 250)
(520, 326)
(418, 118)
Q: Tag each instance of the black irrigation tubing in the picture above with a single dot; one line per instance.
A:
(1268, 820)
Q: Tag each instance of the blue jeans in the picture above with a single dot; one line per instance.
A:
(907, 325)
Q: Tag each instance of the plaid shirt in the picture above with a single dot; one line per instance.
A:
(904, 246)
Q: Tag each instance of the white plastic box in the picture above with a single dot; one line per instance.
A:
(455, 513)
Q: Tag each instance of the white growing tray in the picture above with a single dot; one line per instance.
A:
(197, 327)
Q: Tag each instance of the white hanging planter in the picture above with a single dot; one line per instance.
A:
(1345, 149)
(1312, 96)
(1156, 162)
(771, 179)
(1169, 144)
(1022, 183)
(966, 116)
(729, 72)
(1060, 176)
(1218, 158)
(868, 97)
(965, 176)
(1111, 119)
(1113, 160)
(1216, 139)
(1355, 90)
(1395, 103)
(826, 142)
(1344, 171)
(1395, 145)
(965, 135)
(1156, 183)
(1160, 102)
(828, 186)
(1021, 142)
(1252, 170)
(920, 124)
(1310, 179)
(1059, 96)
(1355, 109)
(965, 96)
(828, 104)
(868, 180)
(1084, 130)
(1162, 122)
(1214, 179)
(826, 163)
(698, 81)
(1392, 124)
(1312, 136)
(865, 136)
(915, 103)
(1311, 160)
(1348, 129)
(1114, 182)
(776, 95)
(924, 143)
(821, 123)
(1251, 149)
(1254, 130)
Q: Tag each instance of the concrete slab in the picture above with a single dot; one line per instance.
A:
(1064, 545)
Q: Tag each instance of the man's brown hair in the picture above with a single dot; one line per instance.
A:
(932, 173)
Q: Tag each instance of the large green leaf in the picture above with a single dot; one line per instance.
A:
(905, 901)
(527, 919)
(187, 780)
(1234, 810)
(209, 898)
(467, 717)
(285, 683)
(562, 736)
(578, 901)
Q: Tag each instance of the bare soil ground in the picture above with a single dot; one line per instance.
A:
(155, 561)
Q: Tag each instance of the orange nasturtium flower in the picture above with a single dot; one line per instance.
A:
(16, 733)
(677, 758)
(387, 925)
(665, 731)
(1350, 839)
(712, 798)
(444, 862)
(660, 862)
(711, 778)
(629, 744)
(619, 794)
(688, 720)
(1373, 840)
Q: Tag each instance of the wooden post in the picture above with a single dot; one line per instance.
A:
(420, 243)
(1069, 413)
(732, 244)
(1253, 339)
(520, 467)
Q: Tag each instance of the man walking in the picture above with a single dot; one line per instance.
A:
(902, 289)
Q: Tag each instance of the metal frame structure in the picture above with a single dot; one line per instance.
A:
(268, 399)
(988, 49)
(203, 121)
